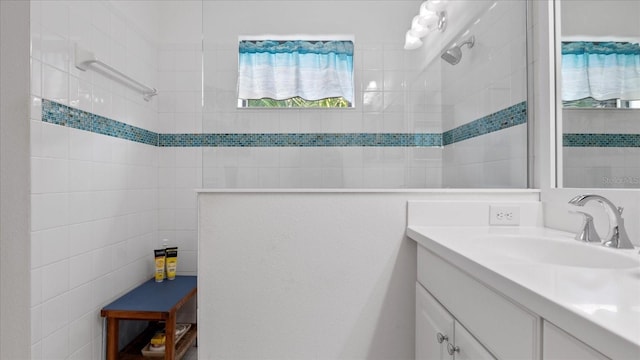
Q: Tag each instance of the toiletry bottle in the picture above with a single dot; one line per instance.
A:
(165, 244)
(171, 262)
(159, 260)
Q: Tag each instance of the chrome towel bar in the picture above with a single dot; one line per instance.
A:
(85, 58)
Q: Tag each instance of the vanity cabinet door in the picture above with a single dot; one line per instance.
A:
(507, 330)
(467, 347)
(558, 345)
(434, 327)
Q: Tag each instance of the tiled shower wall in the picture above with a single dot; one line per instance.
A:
(385, 103)
(395, 93)
(94, 197)
(601, 148)
(490, 76)
(179, 111)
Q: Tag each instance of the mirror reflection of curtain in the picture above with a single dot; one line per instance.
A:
(600, 70)
(312, 70)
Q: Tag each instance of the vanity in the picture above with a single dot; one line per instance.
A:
(521, 292)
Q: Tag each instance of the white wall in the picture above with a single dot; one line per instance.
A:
(317, 275)
(14, 181)
(93, 197)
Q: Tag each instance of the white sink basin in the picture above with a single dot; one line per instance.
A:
(565, 252)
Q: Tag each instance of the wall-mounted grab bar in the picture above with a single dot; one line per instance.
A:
(85, 58)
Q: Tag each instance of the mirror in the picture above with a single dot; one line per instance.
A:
(598, 130)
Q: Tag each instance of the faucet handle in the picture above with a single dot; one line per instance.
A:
(617, 236)
(588, 231)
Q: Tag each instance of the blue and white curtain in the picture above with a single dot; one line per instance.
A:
(312, 70)
(601, 70)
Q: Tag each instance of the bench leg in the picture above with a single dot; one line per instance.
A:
(170, 333)
(112, 339)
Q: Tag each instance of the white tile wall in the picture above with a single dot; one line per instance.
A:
(180, 169)
(593, 167)
(179, 175)
(383, 71)
(490, 77)
(597, 167)
(394, 94)
(619, 17)
(495, 160)
(93, 197)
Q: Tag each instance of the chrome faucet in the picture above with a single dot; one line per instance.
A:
(588, 231)
(617, 236)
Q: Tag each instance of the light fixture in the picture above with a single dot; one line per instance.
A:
(429, 19)
(432, 17)
(434, 9)
(411, 42)
(419, 27)
(434, 5)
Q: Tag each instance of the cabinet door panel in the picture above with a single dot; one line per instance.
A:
(468, 347)
(431, 319)
(558, 345)
(506, 329)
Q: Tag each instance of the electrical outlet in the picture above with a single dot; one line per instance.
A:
(504, 215)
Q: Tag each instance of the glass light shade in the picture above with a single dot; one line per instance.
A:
(434, 5)
(418, 34)
(411, 42)
(429, 19)
(418, 29)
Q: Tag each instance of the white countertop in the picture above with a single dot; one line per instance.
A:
(601, 307)
(365, 190)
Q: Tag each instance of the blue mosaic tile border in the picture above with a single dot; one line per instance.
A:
(601, 140)
(503, 119)
(63, 115)
(300, 140)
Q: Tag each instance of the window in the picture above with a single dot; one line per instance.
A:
(295, 73)
(600, 74)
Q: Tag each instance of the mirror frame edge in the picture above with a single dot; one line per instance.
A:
(557, 83)
(542, 92)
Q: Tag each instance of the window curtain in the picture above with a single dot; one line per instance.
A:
(601, 70)
(312, 70)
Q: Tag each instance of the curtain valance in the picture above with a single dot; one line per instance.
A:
(312, 70)
(600, 70)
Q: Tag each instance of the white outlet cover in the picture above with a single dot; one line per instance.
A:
(504, 215)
